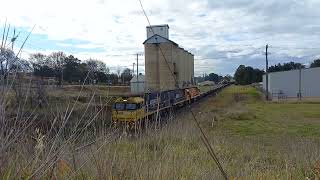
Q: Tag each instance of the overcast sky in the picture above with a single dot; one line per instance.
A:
(221, 33)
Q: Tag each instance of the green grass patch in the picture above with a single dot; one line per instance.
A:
(254, 117)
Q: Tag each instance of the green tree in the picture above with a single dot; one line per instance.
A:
(98, 70)
(48, 66)
(247, 75)
(126, 75)
(315, 63)
(227, 78)
(112, 78)
(239, 75)
(285, 67)
(211, 77)
(70, 69)
(74, 70)
(57, 61)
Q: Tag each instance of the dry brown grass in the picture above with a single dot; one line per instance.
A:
(175, 150)
(98, 89)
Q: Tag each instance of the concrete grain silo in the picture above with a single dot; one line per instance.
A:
(192, 70)
(180, 67)
(167, 66)
(176, 62)
(188, 61)
(188, 72)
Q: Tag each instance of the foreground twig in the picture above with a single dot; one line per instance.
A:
(209, 147)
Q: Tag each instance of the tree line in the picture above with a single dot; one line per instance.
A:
(213, 77)
(245, 75)
(73, 70)
(63, 68)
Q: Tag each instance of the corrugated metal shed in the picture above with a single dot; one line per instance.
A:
(288, 83)
(137, 85)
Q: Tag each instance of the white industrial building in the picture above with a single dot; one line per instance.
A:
(137, 84)
(289, 84)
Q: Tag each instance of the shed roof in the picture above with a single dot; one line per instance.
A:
(161, 25)
(140, 79)
(155, 39)
(206, 83)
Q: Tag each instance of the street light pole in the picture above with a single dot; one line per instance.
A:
(133, 68)
(138, 73)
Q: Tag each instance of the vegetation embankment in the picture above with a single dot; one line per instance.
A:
(46, 103)
(253, 140)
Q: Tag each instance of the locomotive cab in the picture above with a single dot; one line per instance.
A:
(128, 110)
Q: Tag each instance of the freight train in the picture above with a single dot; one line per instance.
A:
(133, 110)
(169, 80)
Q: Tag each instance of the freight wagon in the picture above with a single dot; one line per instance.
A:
(133, 110)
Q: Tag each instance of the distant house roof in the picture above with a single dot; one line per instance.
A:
(161, 25)
(140, 79)
(155, 39)
(204, 83)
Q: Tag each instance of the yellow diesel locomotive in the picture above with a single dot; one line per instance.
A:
(135, 109)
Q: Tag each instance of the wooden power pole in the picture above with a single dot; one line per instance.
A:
(267, 76)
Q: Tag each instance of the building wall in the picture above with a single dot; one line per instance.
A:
(167, 81)
(158, 69)
(288, 82)
(176, 62)
(311, 82)
(185, 67)
(137, 87)
(179, 66)
(159, 73)
(137, 84)
(152, 80)
(192, 69)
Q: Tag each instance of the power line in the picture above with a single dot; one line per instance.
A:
(207, 144)
(172, 73)
(302, 48)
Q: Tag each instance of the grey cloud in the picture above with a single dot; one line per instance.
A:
(226, 33)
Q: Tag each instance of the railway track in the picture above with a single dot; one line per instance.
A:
(160, 116)
(165, 116)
